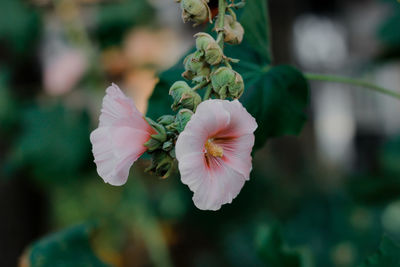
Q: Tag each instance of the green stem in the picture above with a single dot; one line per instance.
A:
(351, 81)
(200, 85)
(222, 5)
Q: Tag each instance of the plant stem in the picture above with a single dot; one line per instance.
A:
(222, 5)
(351, 81)
(200, 85)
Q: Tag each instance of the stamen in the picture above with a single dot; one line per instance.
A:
(214, 149)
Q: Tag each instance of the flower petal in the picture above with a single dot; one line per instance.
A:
(115, 150)
(241, 121)
(237, 153)
(209, 118)
(192, 170)
(189, 143)
(119, 110)
(220, 187)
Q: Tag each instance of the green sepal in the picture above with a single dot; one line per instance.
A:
(161, 135)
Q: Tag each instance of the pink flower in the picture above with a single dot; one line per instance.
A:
(119, 139)
(214, 152)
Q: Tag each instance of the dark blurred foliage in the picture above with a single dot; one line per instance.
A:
(115, 19)
(389, 34)
(386, 255)
(289, 214)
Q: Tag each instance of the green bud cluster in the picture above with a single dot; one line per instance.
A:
(208, 68)
(161, 145)
(203, 66)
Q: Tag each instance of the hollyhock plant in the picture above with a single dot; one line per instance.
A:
(119, 140)
(214, 152)
(211, 138)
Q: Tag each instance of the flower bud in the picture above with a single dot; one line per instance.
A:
(233, 31)
(166, 120)
(182, 118)
(210, 49)
(227, 83)
(195, 68)
(195, 10)
(161, 164)
(184, 96)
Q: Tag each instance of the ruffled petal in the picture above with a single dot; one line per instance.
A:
(119, 110)
(220, 187)
(115, 150)
(241, 121)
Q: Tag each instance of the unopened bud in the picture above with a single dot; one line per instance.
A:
(184, 96)
(195, 68)
(195, 10)
(166, 119)
(233, 31)
(182, 118)
(227, 83)
(206, 44)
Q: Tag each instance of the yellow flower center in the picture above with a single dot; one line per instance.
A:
(214, 149)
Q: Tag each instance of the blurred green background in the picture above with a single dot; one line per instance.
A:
(324, 198)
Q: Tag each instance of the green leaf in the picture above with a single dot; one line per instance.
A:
(277, 99)
(273, 251)
(255, 21)
(70, 247)
(387, 255)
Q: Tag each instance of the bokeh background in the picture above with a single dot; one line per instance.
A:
(324, 198)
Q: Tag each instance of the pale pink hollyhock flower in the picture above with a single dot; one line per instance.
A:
(214, 152)
(119, 139)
